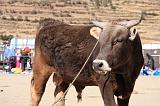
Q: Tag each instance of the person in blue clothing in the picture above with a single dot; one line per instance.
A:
(8, 52)
(144, 71)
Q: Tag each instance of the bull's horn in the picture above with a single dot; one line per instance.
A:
(130, 24)
(99, 24)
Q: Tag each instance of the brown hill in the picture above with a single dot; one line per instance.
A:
(21, 17)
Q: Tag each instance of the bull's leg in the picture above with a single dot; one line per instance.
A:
(107, 95)
(38, 85)
(79, 91)
(106, 92)
(123, 102)
(59, 94)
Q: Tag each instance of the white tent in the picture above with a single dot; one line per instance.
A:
(22, 43)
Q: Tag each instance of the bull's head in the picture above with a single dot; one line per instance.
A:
(115, 43)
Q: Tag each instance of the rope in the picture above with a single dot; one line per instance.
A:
(61, 98)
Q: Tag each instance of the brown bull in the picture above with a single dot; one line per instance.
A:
(114, 65)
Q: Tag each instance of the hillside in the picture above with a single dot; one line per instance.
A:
(21, 17)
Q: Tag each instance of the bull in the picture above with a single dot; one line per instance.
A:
(62, 49)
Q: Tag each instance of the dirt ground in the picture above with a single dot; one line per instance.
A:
(15, 91)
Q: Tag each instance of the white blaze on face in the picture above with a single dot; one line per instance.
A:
(104, 65)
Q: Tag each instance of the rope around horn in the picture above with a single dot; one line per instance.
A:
(71, 84)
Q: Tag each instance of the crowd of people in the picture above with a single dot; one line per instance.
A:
(20, 59)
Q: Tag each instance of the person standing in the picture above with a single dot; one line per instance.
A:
(150, 61)
(23, 60)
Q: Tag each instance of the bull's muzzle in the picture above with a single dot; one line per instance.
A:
(101, 65)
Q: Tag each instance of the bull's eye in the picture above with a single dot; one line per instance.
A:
(117, 41)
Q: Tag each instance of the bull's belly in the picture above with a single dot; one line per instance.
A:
(82, 79)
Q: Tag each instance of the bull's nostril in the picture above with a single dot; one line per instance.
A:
(100, 64)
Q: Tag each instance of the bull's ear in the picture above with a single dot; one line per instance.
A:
(133, 34)
(95, 32)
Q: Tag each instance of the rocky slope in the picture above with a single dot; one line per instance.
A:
(21, 17)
